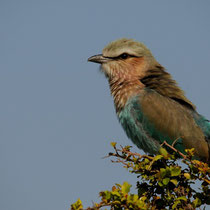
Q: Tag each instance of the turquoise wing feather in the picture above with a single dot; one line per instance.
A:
(136, 127)
(204, 124)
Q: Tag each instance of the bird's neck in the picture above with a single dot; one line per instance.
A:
(122, 90)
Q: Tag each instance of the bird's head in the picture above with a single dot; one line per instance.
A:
(124, 59)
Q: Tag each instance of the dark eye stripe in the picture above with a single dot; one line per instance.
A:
(121, 56)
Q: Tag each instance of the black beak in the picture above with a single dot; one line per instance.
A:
(99, 59)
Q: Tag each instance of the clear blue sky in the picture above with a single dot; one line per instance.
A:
(57, 117)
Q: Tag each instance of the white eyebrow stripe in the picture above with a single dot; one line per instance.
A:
(116, 53)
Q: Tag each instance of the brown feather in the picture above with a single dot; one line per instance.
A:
(161, 81)
(175, 120)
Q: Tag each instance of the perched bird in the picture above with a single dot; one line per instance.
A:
(151, 107)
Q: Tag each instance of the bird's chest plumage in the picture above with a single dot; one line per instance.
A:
(123, 90)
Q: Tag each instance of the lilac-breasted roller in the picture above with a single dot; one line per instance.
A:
(151, 107)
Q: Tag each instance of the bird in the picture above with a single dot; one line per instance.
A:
(149, 104)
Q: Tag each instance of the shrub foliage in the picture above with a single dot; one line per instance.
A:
(162, 183)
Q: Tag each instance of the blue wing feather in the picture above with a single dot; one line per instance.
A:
(204, 124)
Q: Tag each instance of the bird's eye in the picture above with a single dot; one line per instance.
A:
(124, 56)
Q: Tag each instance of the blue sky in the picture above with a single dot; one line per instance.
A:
(57, 115)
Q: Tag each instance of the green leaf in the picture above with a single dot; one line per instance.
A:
(126, 188)
(157, 157)
(118, 185)
(113, 144)
(174, 181)
(175, 204)
(107, 195)
(175, 171)
(77, 205)
(163, 152)
(197, 202)
(127, 148)
(115, 193)
(190, 152)
(182, 198)
(146, 161)
(163, 172)
(160, 184)
(166, 181)
(187, 175)
(135, 198)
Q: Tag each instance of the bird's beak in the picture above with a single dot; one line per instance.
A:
(99, 59)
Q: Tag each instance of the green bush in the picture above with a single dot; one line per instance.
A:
(161, 182)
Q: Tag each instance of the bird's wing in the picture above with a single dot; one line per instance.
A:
(174, 121)
(137, 127)
(204, 124)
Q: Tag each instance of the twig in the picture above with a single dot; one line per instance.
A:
(120, 161)
(174, 142)
(175, 150)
